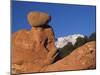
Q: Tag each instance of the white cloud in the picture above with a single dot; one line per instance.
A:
(62, 41)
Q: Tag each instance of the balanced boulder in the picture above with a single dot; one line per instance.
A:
(38, 18)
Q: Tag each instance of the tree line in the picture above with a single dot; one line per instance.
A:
(67, 49)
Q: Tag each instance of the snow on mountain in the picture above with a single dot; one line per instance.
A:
(62, 41)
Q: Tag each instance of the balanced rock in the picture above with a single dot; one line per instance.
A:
(38, 18)
(81, 58)
(35, 48)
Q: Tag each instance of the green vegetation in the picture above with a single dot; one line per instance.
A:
(80, 41)
(92, 37)
(66, 50)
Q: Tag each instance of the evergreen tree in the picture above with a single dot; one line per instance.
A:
(66, 50)
(92, 37)
(80, 41)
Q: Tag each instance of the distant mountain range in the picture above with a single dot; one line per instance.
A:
(62, 41)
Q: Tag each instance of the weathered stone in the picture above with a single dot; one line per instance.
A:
(38, 18)
(33, 49)
(81, 58)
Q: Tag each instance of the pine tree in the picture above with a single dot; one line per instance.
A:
(66, 50)
(80, 41)
(92, 37)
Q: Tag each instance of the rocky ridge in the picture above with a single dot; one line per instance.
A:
(81, 58)
(34, 50)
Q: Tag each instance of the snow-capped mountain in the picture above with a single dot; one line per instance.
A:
(62, 41)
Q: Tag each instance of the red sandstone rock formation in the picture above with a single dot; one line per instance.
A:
(38, 18)
(81, 58)
(34, 49)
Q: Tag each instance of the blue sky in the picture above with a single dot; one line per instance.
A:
(66, 19)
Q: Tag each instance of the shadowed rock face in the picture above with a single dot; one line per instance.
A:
(81, 58)
(31, 50)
